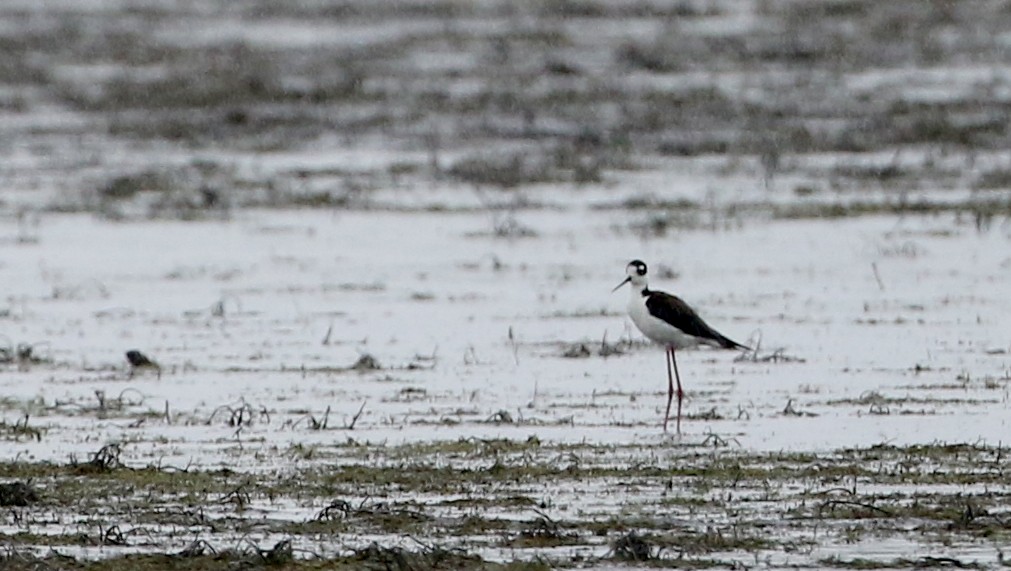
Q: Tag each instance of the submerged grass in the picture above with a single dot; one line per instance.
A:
(202, 556)
(591, 109)
(524, 495)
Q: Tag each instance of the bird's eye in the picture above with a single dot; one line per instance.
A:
(641, 270)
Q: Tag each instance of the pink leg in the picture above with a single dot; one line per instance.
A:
(670, 388)
(681, 392)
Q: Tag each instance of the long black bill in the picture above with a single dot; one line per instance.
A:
(628, 279)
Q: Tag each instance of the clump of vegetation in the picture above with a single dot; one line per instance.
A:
(23, 355)
(20, 429)
(125, 187)
(105, 459)
(430, 557)
(189, 192)
(576, 351)
(366, 363)
(543, 532)
(633, 547)
(505, 172)
(240, 415)
(18, 494)
(994, 179)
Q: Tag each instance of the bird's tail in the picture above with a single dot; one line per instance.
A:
(728, 343)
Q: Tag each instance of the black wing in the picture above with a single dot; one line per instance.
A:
(675, 311)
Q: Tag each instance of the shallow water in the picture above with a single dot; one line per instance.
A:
(474, 325)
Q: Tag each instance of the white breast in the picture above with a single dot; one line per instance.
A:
(655, 329)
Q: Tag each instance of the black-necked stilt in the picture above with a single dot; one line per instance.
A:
(668, 320)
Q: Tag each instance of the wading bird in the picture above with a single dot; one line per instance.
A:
(669, 321)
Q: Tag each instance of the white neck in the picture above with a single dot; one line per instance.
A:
(637, 286)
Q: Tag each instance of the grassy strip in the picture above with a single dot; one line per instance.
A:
(670, 505)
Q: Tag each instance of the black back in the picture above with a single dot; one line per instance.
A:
(677, 313)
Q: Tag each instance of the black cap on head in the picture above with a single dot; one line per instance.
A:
(640, 267)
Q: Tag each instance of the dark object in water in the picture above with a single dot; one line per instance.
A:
(138, 359)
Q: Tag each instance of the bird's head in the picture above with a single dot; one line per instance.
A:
(635, 273)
